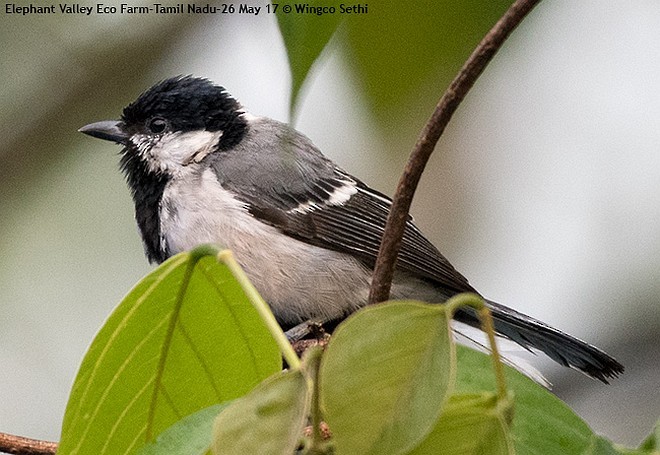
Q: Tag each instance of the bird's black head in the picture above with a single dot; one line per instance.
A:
(183, 104)
(166, 131)
(179, 121)
(173, 124)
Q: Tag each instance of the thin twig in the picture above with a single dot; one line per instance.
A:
(18, 445)
(473, 67)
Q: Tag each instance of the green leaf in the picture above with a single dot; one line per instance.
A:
(542, 424)
(652, 442)
(268, 420)
(305, 36)
(183, 339)
(471, 424)
(601, 446)
(406, 53)
(191, 435)
(385, 376)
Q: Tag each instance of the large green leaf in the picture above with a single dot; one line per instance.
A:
(268, 420)
(385, 376)
(305, 36)
(183, 339)
(542, 423)
(471, 424)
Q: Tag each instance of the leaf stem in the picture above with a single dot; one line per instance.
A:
(312, 362)
(486, 318)
(227, 258)
(488, 327)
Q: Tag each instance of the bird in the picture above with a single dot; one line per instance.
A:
(201, 169)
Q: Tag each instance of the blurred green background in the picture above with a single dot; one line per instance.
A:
(544, 190)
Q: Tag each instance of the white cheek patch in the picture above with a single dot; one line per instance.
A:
(171, 152)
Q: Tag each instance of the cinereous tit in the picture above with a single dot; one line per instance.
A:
(203, 170)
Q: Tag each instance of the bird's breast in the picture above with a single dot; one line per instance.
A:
(298, 280)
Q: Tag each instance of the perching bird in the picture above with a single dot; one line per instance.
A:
(203, 170)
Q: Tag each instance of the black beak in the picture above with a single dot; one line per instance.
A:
(109, 130)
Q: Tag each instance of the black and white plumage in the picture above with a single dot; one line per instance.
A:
(202, 170)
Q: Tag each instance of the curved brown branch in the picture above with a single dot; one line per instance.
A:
(473, 67)
(18, 445)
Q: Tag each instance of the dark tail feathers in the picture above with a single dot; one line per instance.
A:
(559, 346)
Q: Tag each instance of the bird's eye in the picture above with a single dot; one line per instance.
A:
(157, 125)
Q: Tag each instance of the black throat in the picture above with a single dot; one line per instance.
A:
(147, 190)
(180, 104)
